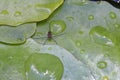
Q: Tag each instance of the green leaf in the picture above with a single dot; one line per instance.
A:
(16, 12)
(85, 32)
(15, 61)
(12, 59)
(16, 35)
(82, 22)
(91, 34)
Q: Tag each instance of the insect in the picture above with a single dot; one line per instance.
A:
(49, 37)
(115, 3)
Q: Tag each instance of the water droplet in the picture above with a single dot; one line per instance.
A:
(80, 2)
(84, 1)
(57, 26)
(82, 51)
(70, 18)
(42, 8)
(100, 35)
(4, 12)
(91, 17)
(43, 67)
(78, 43)
(17, 13)
(102, 64)
(50, 48)
(117, 25)
(112, 15)
(81, 32)
(105, 78)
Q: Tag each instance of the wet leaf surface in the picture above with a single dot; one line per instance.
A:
(18, 34)
(17, 12)
(85, 37)
(91, 34)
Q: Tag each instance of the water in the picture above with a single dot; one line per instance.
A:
(78, 43)
(112, 15)
(57, 26)
(70, 18)
(41, 66)
(102, 64)
(101, 35)
(105, 78)
(91, 17)
(4, 12)
(17, 13)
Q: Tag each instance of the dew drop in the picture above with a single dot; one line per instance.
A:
(80, 2)
(43, 66)
(78, 43)
(82, 51)
(50, 48)
(4, 12)
(116, 25)
(105, 78)
(81, 32)
(57, 26)
(70, 18)
(91, 17)
(112, 15)
(100, 35)
(17, 13)
(42, 9)
(102, 64)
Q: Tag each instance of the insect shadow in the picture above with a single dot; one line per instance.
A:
(49, 37)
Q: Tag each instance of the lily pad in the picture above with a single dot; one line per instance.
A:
(92, 34)
(84, 68)
(43, 67)
(16, 12)
(16, 35)
(82, 22)
(83, 52)
(12, 59)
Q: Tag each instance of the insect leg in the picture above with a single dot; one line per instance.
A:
(54, 40)
(45, 42)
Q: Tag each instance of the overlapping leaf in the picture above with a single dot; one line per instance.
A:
(91, 33)
(16, 12)
(16, 35)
